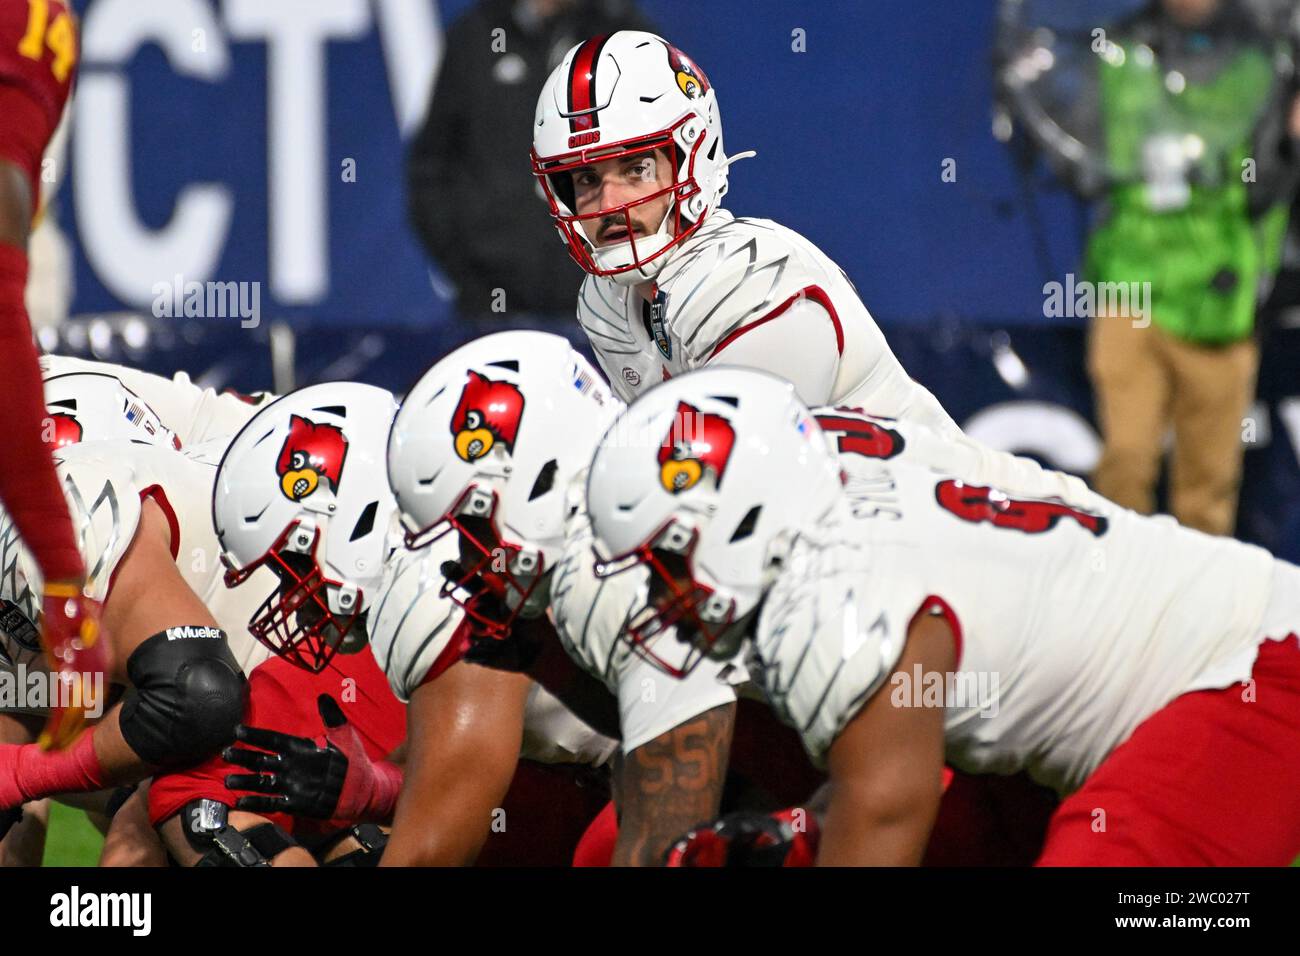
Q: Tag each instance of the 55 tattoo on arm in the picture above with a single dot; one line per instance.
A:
(671, 784)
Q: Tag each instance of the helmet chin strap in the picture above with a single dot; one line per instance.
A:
(645, 273)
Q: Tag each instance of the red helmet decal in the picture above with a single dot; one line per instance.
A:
(690, 78)
(62, 430)
(312, 452)
(582, 86)
(489, 412)
(696, 441)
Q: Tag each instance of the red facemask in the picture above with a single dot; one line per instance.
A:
(482, 583)
(295, 620)
(675, 599)
(553, 174)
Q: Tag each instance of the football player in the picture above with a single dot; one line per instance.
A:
(141, 508)
(491, 448)
(305, 521)
(38, 59)
(302, 490)
(628, 151)
(481, 459)
(1147, 673)
(88, 401)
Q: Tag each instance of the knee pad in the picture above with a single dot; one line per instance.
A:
(187, 694)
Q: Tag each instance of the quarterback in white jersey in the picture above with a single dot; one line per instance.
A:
(628, 151)
(918, 614)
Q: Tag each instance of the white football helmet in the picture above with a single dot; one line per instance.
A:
(619, 95)
(302, 490)
(706, 481)
(488, 443)
(90, 406)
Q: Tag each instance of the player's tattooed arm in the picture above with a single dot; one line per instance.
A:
(671, 784)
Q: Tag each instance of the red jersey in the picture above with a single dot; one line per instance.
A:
(38, 60)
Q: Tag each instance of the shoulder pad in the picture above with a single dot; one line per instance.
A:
(411, 623)
(602, 313)
(104, 505)
(733, 274)
(589, 612)
(830, 633)
(104, 502)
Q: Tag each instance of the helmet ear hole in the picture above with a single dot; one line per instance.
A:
(366, 522)
(747, 525)
(545, 480)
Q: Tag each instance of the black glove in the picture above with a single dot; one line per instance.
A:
(749, 839)
(514, 650)
(302, 777)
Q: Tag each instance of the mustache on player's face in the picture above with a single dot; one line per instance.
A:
(613, 228)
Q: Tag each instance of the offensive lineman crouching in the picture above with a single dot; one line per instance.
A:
(305, 531)
(1120, 641)
(142, 538)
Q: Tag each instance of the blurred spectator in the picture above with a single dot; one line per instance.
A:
(471, 193)
(1201, 140)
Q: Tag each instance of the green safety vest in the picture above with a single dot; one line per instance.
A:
(1180, 252)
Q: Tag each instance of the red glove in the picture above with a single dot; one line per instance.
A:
(29, 773)
(785, 838)
(76, 649)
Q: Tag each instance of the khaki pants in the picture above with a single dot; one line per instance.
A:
(1145, 380)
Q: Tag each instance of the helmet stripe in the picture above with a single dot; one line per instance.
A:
(582, 84)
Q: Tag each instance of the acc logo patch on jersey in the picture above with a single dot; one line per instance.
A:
(311, 454)
(489, 413)
(690, 78)
(697, 443)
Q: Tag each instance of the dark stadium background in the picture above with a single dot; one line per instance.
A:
(851, 137)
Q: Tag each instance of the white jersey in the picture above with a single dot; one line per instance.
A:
(195, 414)
(590, 612)
(589, 615)
(1074, 624)
(751, 292)
(106, 483)
(411, 629)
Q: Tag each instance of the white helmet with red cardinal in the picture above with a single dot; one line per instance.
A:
(705, 481)
(488, 443)
(301, 490)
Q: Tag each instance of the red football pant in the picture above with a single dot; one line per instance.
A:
(1211, 779)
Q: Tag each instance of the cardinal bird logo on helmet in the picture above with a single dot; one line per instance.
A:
(488, 415)
(63, 430)
(698, 441)
(311, 454)
(690, 78)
